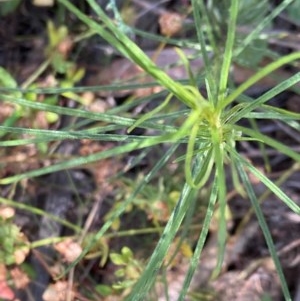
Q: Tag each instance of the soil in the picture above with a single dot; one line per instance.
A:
(248, 273)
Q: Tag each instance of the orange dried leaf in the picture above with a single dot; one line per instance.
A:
(6, 212)
(170, 23)
(69, 249)
(6, 292)
(57, 291)
(20, 279)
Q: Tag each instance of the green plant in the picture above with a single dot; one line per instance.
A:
(129, 269)
(14, 247)
(209, 126)
(7, 7)
(56, 53)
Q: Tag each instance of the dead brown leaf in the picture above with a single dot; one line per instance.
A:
(69, 249)
(20, 279)
(56, 292)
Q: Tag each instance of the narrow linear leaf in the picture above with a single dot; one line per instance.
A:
(194, 263)
(264, 227)
(259, 75)
(224, 74)
(266, 97)
(120, 210)
(83, 160)
(268, 183)
(267, 140)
